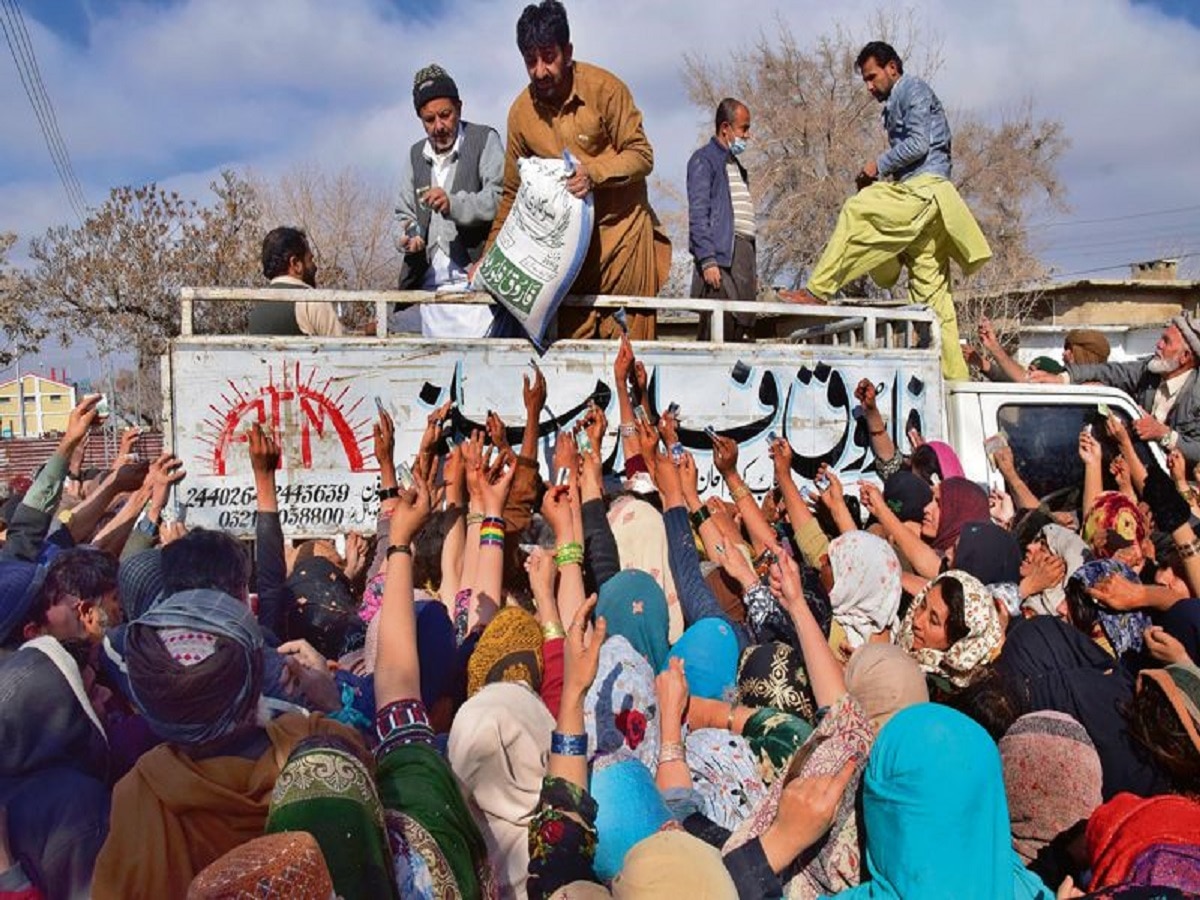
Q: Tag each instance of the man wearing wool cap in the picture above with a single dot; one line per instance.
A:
(1165, 385)
(449, 189)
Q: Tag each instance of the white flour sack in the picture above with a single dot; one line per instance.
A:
(539, 251)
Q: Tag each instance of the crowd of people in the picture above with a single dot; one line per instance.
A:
(602, 684)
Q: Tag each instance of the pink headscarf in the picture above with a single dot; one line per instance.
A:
(947, 459)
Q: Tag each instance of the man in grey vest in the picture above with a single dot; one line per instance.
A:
(449, 190)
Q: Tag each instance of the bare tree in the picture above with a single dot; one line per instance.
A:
(815, 125)
(116, 277)
(349, 222)
(23, 329)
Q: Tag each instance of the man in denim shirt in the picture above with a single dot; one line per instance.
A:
(916, 220)
(721, 225)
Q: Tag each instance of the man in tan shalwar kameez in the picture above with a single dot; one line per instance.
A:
(582, 108)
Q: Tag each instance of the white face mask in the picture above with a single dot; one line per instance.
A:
(737, 146)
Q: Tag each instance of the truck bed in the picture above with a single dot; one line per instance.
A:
(319, 396)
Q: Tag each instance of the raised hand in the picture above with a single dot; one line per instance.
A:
(534, 394)
(865, 394)
(410, 513)
(80, 420)
(496, 431)
(672, 689)
(384, 433)
(264, 451)
(725, 455)
(581, 652)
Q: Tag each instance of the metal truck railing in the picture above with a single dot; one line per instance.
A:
(866, 326)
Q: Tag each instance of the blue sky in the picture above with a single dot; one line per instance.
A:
(174, 90)
(1188, 10)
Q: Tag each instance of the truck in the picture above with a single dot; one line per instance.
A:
(320, 397)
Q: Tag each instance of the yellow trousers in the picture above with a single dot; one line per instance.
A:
(887, 225)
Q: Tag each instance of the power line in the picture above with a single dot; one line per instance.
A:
(35, 69)
(45, 107)
(1175, 236)
(1121, 218)
(1078, 272)
(21, 50)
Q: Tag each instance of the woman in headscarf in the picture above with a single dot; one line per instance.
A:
(641, 540)
(328, 790)
(866, 587)
(884, 680)
(725, 775)
(430, 829)
(321, 607)
(931, 766)
(195, 673)
(955, 502)
(952, 630)
(1120, 633)
(510, 649)
(1050, 665)
(1116, 528)
(1057, 549)
(709, 648)
(499, 747)
(1164, 719)
(936, 461)
(1155, 841)
(284, 866)
(988, 552)
(1085, 347)
(907, 495)
(436, 649)
(629, 809)
(633, 604)
(1052, 776)
(621, 712)
(773, 675)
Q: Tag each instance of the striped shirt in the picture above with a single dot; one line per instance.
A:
(743, 206)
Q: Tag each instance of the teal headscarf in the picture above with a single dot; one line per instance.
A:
(635, 607)
(935, 814)
(709, 650)
(629, 809)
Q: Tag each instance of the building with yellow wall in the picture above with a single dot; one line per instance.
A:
(47, 405)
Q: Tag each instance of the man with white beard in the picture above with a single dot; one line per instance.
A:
(1165, 385)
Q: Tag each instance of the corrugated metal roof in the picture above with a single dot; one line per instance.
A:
(24, 456)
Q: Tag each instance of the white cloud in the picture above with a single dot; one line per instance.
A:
(173, 93)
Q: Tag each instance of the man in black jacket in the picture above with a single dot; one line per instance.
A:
(1165, 386)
